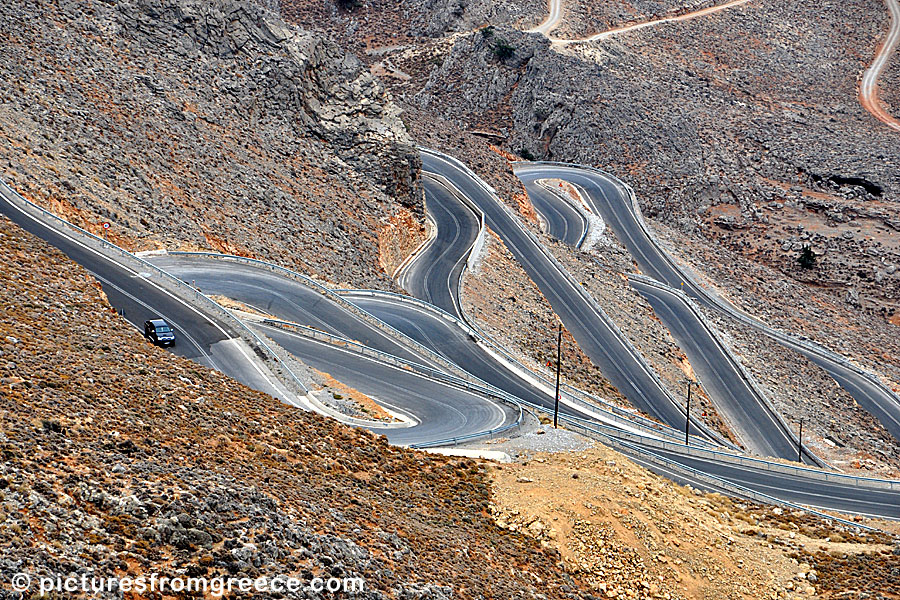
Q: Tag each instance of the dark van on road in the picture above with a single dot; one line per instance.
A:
(159, 332)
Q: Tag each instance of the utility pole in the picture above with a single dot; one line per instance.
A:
(687, 414)
(800, 443)
(558, 360)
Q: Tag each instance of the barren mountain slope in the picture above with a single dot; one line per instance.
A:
(631, 534)
(750, 143)
(207, 125)
(122, 458)
(582, 18)
(382, 23)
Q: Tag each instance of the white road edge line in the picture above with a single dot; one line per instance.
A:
(152, 283)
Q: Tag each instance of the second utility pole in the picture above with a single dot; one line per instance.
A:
(558, 358)
(687, 420)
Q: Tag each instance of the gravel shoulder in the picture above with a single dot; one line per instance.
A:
(630, 533)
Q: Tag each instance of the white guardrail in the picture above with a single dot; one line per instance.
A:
(184, 290)
(758, 463)
(754, 387)
(595, 306)
(575, 396)
(172, 283)
(606, 430)
(789, 339)
(399, 336)
(471, 327)
(755, 463)
(404, 340)
(724, 485)
(349, 307)
(434, 374)
(218, 310)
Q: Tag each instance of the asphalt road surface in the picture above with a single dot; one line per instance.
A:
(447, 410)
(564, 221)
(454, 344)
(136, 294)
(606, 348)
(283, 298)
(434, 275)
(756, 424)
(832, 495)
(609, 200)
(442, 411)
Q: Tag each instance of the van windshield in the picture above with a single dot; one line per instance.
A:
(163, 329)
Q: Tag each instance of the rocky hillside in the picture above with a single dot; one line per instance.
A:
(582, 18)
(207, 125)
(759, 144)
(740, 147)
(121, 458)
(631, 534)
(736, 182)
(382, 23)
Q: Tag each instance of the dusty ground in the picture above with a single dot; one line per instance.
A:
(366, 407)
(582, 18)
(632, 534)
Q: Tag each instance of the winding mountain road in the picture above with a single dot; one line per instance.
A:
(441, 411)
(868, 87)
(138, 296)
(610, 199)
(619, 361)
(447, 409)
(554, 16)
(738, 402)
(290, 300)
(757, 427)
(805, 486)
(434, 275)
(563, 221)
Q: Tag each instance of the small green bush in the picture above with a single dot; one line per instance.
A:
(504, 50)
(807, 258)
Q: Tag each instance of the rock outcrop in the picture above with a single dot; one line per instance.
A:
(208, 125)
